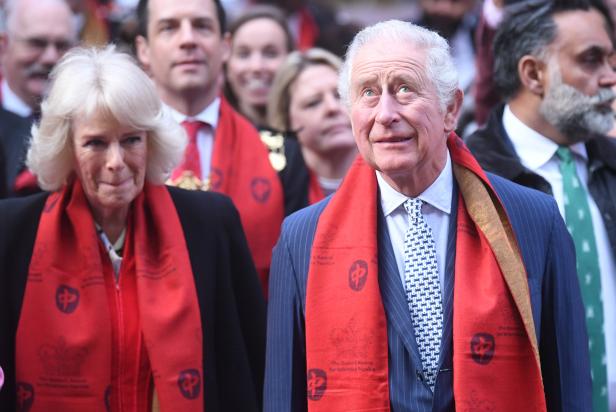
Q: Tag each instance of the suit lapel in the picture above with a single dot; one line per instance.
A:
(445, 358)
(392, 293)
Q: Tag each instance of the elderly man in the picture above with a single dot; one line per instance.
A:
(422, 284)
(552, 67)
(183, 48)
(36, 33)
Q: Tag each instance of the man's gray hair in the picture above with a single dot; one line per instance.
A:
(440, 68)
(88, 82)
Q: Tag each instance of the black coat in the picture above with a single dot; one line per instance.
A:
(14, 138)
(230, 297)
(495, 153)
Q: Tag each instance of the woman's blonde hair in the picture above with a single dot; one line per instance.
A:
(93, 81)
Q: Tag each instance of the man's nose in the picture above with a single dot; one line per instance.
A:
(187, 32)
(387, 109)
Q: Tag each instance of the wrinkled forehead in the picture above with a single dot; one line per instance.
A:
(377, 61)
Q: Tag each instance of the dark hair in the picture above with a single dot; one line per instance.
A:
(528, 29)
(143, 15)
(264, 11)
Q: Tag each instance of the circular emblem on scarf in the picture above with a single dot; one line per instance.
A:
(67, 299)
(358, 274)
(25, 396)
(189, 382)
(260, 187)
(317, 384)
(482, 348)
(216, 177)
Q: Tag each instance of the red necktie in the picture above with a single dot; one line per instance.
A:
(192, 160)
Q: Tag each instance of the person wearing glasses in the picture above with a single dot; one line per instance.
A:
(34, 36)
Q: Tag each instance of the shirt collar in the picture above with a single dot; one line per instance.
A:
(533, 149)
(437, 195)
(208, 115)
(12, 103)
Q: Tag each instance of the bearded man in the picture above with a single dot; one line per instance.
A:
(551, 64)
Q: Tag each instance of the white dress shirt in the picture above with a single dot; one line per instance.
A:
(436, 210)
(538, 154)
(12, 103)
(205, 136)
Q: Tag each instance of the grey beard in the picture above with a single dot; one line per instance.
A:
(576, 115)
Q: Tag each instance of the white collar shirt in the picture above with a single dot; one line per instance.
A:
(12, 103)
(436, 211)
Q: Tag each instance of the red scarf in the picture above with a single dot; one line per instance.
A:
(308, 30)
(241, 169)
(72, 340)
(496, 360)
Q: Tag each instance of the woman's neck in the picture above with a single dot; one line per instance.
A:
(332, 165)
(112, 221)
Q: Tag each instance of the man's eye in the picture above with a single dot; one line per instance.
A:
(404, 89)
(368, 93)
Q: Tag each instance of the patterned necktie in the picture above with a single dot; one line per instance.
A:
(422, 288)
(579, 224)
(192, 160)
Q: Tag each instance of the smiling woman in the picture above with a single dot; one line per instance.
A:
(260, 41)
(119, 267)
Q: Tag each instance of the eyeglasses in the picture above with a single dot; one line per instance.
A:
(40, 44)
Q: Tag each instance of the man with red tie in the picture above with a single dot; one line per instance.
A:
(181, 45)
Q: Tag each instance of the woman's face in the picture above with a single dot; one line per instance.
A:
(316, 112)
(110, 162)
(258, 48)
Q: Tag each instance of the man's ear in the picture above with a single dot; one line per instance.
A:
(143, 51)
(533, 74)
(453, 111)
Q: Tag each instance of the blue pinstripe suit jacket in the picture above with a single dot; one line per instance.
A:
(549, 258)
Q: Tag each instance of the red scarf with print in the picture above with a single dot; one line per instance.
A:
(495, 353)
(72, 339)
(241, 169)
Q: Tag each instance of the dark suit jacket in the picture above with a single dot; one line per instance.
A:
(3, 192)
(230, 299)
(14, 137)
(547, 252)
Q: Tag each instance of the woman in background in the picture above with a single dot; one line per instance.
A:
(304, 99)
(260, 41)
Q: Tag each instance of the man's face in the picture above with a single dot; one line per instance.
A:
(39, 33)
(184, 49)
(397, 119)
(579, 76)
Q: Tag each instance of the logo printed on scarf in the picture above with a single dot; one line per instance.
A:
(25, 396)
(317, 384)
(260, 187)
(216, 177)
(62, 360)
(67, 298)
(190, 383)
(358, 275)
(482, 348)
